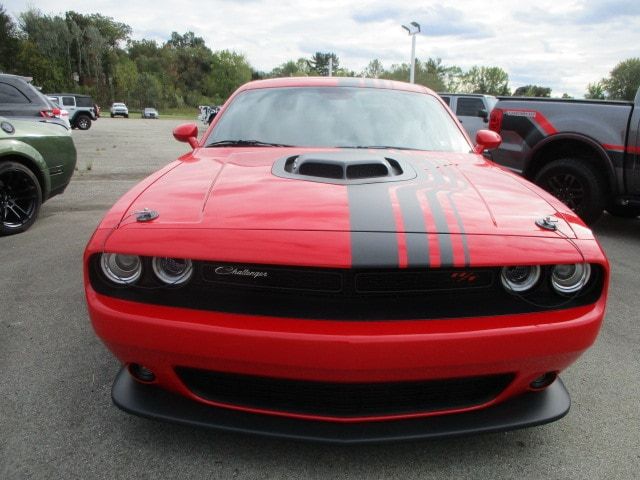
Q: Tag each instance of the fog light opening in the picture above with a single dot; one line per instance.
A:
(141, 373)
(543, 381)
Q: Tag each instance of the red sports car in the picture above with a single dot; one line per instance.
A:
(335, 260)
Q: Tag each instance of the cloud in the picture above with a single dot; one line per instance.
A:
(438, 21)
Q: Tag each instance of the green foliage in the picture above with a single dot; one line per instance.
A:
(624, 80)
(595, 91)
(532, 91)
(229, 71)
(487, 80)
(9, 42)
(319, 63)
(292, 68)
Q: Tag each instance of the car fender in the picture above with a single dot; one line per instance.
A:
(604, 159)
(30, 157)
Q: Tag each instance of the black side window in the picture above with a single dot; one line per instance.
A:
(446, 100)
(84, 102)
(68, 101)
(469, 107)
(10, 94)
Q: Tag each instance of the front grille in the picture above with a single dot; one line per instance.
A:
(343, 399)
(344, 294)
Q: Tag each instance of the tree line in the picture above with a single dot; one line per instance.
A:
(95, 54)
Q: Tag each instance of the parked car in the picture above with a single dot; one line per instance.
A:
(80, 107)
(20, 99)
(64, 114)
(472, 109)
(150, 113)
(37, 161)
(334, 260)
(585, 152)
(119, 109)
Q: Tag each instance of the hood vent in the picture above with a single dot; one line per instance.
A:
(343, 168)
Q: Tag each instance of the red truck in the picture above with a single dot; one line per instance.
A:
(585, 152)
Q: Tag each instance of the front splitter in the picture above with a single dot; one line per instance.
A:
(527, 410)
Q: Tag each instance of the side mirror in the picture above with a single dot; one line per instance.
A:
(187, 132)
(483, 114)
(486, 140)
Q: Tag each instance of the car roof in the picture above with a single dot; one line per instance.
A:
(68, 95)
(465, 94)
(334, 82)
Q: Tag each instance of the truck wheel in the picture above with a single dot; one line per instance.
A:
(575, 183)
(20, 198)
(624, 211)
(83, 122)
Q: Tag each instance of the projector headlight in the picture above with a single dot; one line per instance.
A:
(122, 269)
(520, 278)
(172, 271)
(571, 277)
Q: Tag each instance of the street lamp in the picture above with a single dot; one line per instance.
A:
(412, 29)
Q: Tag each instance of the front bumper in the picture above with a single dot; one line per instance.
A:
(527, 410)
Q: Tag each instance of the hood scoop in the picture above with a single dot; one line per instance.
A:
(343, 168)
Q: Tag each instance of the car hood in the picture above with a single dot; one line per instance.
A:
(232, 188)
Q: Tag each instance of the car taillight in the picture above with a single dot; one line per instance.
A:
(495, 120)
(55, 113)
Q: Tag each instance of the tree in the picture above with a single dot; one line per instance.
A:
(624, 80)
(532, 91)
(125, 78)
(292, 68)
(595, 91)
(9, 42)
(487, 80)
(230, 70)
(319, 63)
(374, 69)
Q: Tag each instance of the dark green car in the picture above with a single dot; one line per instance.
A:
(37, 160)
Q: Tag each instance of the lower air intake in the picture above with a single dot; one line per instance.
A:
(349, 400)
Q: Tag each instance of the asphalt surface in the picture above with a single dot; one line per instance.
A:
(56, 416)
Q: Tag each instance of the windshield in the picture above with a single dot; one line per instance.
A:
(348, 117)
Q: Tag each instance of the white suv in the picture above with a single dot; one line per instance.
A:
(119, 109)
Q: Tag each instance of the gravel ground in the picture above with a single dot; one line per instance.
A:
(56, 416)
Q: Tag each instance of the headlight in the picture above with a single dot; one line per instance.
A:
(172, 271)
(520, 278)
(122, 269)
(570, 278)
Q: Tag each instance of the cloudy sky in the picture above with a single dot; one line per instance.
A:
(562, 44)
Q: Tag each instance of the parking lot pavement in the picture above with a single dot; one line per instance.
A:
(56, 416)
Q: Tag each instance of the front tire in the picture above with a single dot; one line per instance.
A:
(575, 183)
(20, 198)
(83, 122)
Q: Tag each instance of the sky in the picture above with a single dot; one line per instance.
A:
(562, 44)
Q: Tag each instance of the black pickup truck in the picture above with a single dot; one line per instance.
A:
(585, 152)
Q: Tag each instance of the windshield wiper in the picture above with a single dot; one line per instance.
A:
(245, 143)
(376, 147)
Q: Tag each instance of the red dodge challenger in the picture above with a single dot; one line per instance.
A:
(336, 261)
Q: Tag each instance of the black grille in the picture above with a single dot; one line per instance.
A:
(343, 399)
(345, 294)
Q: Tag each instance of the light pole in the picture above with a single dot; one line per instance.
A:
(412, 29)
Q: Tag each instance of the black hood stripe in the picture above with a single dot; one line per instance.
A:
(374, 233)
(417, 241)
(371, 218)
